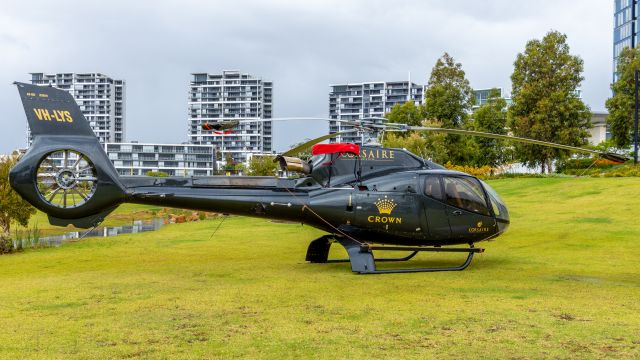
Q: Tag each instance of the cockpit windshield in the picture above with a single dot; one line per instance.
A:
(317, 160)
(497, 204)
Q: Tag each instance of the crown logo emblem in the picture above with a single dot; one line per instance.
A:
(385, 206)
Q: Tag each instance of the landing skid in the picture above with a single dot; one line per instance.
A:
(363, 262)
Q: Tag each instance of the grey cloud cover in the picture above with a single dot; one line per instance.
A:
(302, 46)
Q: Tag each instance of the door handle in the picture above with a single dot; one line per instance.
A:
(457, 212)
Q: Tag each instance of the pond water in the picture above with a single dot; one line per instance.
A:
(137, 226)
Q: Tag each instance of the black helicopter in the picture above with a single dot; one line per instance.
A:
(359, 195)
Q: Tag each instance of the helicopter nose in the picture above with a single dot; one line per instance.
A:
(503, 225)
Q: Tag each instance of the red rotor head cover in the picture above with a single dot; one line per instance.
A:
(319, 149)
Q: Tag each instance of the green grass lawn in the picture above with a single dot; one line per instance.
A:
(564, 282)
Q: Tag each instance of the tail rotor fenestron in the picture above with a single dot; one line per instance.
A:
(66, 179)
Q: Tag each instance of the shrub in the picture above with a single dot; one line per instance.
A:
(6, 245)
(605, 162)
(623, 171)
(36, 237)
(481, 172)
(525, 175)
(583, 163)
(606, 171)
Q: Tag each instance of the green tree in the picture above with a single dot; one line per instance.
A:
(262, 166)
(431, 146)
(608, 146)
(621, 105)
(407, 113)
(437, 144)
(240, 168)
(546, 106)
(13, 209)
(448, 101)
(413, 142)
(229, 163)
(448, 96)
(492, 118)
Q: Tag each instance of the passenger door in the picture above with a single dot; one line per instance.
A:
(387, 211)
(435, 210)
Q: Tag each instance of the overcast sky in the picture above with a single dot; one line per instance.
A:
(302, 46)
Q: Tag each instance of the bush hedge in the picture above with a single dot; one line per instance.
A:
(6, 245)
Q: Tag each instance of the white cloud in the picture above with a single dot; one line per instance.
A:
(303, 46)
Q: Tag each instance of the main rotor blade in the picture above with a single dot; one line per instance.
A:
(366, 122)
(310, 143)
(606, 155)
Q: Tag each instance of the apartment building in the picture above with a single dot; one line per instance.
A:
(368, 100)
(100, 97)
(231, 95)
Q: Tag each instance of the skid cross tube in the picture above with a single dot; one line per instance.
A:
(318, 252)
(363, 262)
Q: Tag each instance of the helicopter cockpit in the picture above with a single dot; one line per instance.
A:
(458, 205)
(498, 206)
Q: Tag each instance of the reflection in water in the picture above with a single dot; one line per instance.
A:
(138, 226)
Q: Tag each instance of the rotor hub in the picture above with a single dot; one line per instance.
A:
(66, 179)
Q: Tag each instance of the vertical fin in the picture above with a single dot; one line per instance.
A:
(52, 111)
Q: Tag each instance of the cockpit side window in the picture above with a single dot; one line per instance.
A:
(432, 187)
(465, 193)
